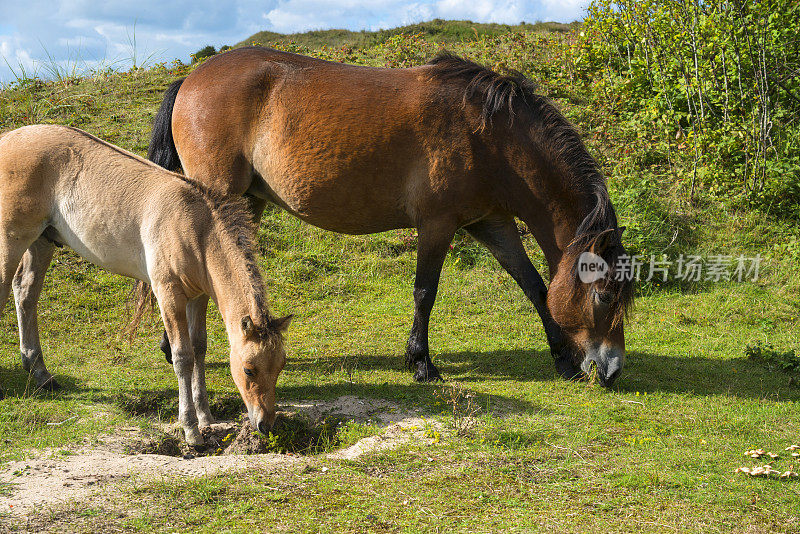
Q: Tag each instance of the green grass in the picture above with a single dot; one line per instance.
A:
(656, 454)
(437, 30)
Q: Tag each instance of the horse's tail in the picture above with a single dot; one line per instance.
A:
(162, 149)
(140, 299)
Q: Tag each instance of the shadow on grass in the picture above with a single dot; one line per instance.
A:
(736, 377)
(17, 382)
(644, 372)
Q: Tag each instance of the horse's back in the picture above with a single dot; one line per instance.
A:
(347, 148)
(92, 195)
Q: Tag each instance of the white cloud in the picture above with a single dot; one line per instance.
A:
(564, 10)
(504, 11)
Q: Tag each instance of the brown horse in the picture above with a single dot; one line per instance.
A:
(62, 186)
(438, 147)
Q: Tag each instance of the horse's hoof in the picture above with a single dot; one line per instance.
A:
(205, 421)
(2, 395)
(49, 385)
(427, 372)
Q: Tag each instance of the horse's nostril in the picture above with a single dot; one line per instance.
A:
(611, 378)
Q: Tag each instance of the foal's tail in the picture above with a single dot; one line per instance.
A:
(140, 299)
(162, 147)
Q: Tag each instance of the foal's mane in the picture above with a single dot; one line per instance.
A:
(237, 226)
(516, 95)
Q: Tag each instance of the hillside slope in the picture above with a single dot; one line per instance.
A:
(505, 444)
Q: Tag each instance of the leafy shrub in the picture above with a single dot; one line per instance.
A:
(206, 51)
(717, 79)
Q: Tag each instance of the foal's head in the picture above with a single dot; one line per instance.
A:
(257, 358)
(588, 297)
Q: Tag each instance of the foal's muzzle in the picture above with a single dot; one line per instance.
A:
(261, 420)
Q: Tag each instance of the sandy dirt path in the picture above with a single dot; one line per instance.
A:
(50, 477)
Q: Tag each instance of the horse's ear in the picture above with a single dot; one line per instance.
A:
(620, 230)
(602, 242)
(282, 324)
(247, 326)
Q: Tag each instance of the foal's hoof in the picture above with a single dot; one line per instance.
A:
(426, 372)
(205, 421)
(193, 437)
(49, 385)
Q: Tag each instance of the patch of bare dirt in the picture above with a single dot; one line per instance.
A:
(57, 476)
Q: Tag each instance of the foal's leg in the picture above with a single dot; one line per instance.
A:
(27, 285)
(173, 313)
(500, 236)
(196, 315)
(256, 207)
(432, 246)
(12, 247)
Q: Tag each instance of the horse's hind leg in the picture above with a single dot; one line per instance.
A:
(27, 284)
(196, 316)
(12, 247)
(432, 246)
(500, 236)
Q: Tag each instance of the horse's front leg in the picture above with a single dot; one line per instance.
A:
(173, 312)
(27, 285)
(196, 314)
(432, 246)
(500, 236)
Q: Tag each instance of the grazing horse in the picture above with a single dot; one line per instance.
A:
(438, 147)
(62, 186)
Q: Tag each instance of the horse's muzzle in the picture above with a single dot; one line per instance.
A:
(607, 359)
(261, 420)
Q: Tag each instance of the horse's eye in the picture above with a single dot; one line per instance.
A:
(606, 297)
(249, 372)
(603, 298)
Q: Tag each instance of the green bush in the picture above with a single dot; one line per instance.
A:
(718, 80)
(206, 51)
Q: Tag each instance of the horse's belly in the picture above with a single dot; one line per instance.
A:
(337, 205)
(117, 251)
(353, 221)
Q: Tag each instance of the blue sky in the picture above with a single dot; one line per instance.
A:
(77, 35)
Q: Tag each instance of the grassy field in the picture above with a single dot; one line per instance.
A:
(657, 453)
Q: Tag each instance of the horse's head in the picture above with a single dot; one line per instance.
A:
(257, 358)
(588, 298)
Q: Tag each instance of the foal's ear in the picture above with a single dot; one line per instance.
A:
(620, 230)
(282, 324)
(247, 326)
(602, 241)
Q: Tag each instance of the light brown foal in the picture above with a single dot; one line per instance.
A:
(62, 186)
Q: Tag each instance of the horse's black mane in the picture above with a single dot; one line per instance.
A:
(497, 91)
(515, 94)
